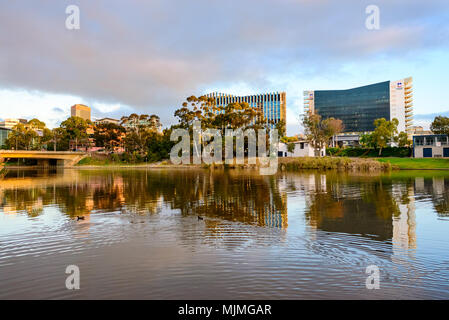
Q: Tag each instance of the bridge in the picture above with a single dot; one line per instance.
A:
(45, 158)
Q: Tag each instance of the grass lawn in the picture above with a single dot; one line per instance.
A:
(417, 163)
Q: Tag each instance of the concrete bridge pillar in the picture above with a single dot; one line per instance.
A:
(62, 163)
(43, 163)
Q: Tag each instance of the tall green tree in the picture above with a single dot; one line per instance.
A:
(384, 132)
(231, 116)
(108, 135)
(440, 125)
(20, 138)
(76, 129)
(366, 140)
(403, 139)
(60, 140)
(281, 128)
(319, 132)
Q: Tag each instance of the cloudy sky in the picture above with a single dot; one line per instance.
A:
(147, 56)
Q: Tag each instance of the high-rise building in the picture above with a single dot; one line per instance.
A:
(80, 110)
(359, 107)
(273, 105)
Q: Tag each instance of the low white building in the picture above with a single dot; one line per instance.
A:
(302, 149)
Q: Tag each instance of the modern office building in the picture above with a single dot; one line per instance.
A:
(359, 107)
(273, 105)
(11, 123)
(80, 110)
(3, 135)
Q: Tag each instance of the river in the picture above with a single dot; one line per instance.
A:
(200, 234)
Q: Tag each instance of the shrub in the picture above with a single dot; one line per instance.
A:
(399, 152)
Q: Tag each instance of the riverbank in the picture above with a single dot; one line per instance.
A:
(333, 163)
(416, 163)
(285, 164)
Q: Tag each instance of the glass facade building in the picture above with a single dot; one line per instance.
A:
(273, 105)
(359, 107)
(3, 135)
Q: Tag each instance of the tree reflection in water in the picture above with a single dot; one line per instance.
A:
(229, 195)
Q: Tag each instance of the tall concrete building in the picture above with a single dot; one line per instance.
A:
(273, 105)
(80, 110)
(359, 107)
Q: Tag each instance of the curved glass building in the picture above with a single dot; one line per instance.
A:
(273, 105)
(359, 107)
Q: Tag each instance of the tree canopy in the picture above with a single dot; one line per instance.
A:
(440, 125)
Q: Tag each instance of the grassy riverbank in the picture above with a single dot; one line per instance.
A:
(333, 163)
(285, 164)
(416, 163)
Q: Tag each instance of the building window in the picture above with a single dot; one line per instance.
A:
(419, 141)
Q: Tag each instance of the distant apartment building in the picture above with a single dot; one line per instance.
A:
(106, 121)
(11, 123)
(419, 131)
(80, 110)
(273, 105)
(359, 107)
(153, 121)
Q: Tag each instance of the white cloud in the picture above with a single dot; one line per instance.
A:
(50, 108)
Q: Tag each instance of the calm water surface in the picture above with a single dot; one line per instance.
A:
(290, 236)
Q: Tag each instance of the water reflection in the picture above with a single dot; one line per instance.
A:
(312, 224)
(233, 196)
(380, 208)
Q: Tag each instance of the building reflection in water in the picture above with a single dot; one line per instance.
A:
(377, 208)
(380, 208)
(220, 196)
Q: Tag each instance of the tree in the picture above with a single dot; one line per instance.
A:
(76, 129)
(280, 127)
(19, 138)
(138, 129)
(319, 132)
(332, 127)
(108, 135)
(384, 132)
(234, 115)
(291, 147)
(60, 140)
(31, 136)
(366, 140)
(440, 125)
(403, 139)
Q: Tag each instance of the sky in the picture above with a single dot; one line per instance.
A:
(148, 56)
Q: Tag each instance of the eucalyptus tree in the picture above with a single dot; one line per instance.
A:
(76, 129)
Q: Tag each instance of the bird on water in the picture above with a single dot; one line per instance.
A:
(79, 218)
